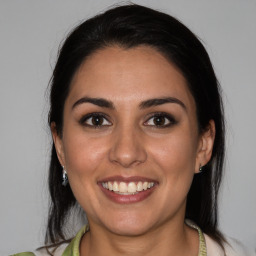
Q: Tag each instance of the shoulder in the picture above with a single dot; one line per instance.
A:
(58, 251)
(23, 254)
(232, 248)
(65, 248)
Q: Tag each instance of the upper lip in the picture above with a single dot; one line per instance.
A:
(127, 179)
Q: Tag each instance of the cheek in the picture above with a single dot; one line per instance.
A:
(175, 156)
(84, 158)
(174, 152)
(83, 154)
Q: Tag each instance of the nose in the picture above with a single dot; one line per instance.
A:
(128, 149)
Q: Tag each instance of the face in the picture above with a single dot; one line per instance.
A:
(130, 141)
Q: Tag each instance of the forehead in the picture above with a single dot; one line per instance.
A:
(129, 74)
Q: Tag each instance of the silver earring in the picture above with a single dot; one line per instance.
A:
(64, 177)
(200, 168)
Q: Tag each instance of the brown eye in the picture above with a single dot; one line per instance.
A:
(160, 120)
(95, 120)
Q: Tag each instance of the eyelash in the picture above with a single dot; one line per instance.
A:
(89, 117)
(167, 117)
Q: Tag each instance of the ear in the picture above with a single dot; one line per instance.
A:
(58, 144)
(205, 146)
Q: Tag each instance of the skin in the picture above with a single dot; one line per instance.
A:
(129, 143)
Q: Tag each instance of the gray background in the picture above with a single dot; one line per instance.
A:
(30, 32)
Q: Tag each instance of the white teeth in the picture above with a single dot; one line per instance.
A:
(115, 187)
(151, 184)
(132, 187)
(127, 188)
(145, 185)
(123, 187)
(139, 186)
(110, 187)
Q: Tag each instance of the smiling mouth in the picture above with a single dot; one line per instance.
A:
(127, 188)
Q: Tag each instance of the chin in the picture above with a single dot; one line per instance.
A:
(129, 225)
(128, 230)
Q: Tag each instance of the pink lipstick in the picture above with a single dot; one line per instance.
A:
(125, 190)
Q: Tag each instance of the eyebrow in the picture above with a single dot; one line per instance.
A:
(96, 101)
(144, 104)
(160, 101)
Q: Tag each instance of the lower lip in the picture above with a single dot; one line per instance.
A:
(127, 199)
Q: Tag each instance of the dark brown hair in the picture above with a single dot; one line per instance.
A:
(130, 26)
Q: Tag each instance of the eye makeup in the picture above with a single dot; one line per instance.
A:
(95, 120)
(160, 120)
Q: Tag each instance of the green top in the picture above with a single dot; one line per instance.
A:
(73, 248)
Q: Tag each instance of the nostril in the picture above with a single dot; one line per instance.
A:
(127, 153)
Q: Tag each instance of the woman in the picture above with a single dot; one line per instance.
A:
(138, 139)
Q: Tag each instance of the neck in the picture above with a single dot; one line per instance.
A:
(168, 239)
